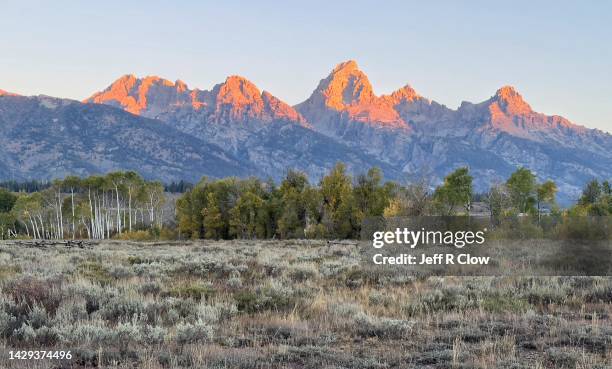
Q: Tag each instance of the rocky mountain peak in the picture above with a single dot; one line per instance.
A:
(238, 99)
(404, 94)
(346, 85)
(140, 96)
(349, 65)
(347, 91)
(510, 101)
(181, 86)
(237, 90)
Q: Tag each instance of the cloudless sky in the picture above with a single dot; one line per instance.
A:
(558, 54)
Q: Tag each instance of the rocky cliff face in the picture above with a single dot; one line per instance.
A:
(255, 126)
(237, 100)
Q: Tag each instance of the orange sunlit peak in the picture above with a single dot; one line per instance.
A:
(507, 90)
(347, 65)
(511, 101)
(406, 92)
(236, 78)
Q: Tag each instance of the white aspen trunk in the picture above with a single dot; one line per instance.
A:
(72, 203)
(91, 213)
(61, 215)
(34, 227)
(27, 228)
(118, 210)
(99, 228)
(130, 207)
(57, 221)
(151, 210)
(42, 225)
(86, 227)
(101, 218)
(161, 218)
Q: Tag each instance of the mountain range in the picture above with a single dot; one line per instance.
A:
(168, 131)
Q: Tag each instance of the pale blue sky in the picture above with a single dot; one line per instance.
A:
(558, 54)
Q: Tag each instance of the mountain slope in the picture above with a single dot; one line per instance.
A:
(44, 137)
(344, 120)
(260, 129)
(344, 106)
(493, 137)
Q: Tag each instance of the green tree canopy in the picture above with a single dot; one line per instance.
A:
(591, 192)
(7, 200)
(338, 210)
(456, 191)
(522, 187)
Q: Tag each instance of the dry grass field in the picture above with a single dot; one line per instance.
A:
(287, 304)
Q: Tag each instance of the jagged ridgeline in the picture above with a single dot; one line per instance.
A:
(123, 205)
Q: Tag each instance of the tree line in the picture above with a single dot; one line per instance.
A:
(36, 186)
(96, 207)
(337, 205)
(121, 203)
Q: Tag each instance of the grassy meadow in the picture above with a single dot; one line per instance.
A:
(286, 304)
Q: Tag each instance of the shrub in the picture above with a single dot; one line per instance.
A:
(561, 358)
(85, 358)
(247, 301)
(367, 326)
(8, 324)
(38, 317)
(8, 271)
(271, 297)
(153, 334)
(167, 234)
(36, 292)
(89, 333)
(193, 333)
(194, 291)
(46, 336)
(121, 308)
(95, 272)
(304, 272)
(358, 277)
(378, 298)
(25, 333)
(135, 236)
(445, 299)
(126, 333)
(498, 303)
(120, 271)
(346, 310)
(71, 310)
(545, 295)
(150, 288)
